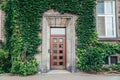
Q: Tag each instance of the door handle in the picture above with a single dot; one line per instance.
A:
(49, 50)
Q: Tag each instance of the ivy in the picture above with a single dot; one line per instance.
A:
(0, 3)
(92, 59)
(86, 25)
(22, 29)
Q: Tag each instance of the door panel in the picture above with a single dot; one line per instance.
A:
(58, 52)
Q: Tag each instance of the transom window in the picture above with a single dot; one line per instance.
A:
(106, 26)
(57, 31)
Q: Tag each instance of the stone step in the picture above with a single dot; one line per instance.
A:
(58, 72)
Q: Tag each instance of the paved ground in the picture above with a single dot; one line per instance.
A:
(63, 76)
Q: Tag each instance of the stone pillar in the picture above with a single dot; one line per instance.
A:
(68, 47)
(44, 46)
(70, 42)
(45, 55)
(2, 16)
(73, 45)
(0, 23)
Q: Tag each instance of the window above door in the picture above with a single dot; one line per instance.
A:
(106, 22)
(57, 31)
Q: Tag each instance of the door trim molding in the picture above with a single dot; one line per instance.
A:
(70, 44)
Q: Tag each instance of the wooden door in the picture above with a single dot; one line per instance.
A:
(58, 52)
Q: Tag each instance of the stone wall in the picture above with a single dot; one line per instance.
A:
(2, 19)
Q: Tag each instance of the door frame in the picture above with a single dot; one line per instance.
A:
(52, 35)
(70, 43)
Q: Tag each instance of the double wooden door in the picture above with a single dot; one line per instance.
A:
(58, 52)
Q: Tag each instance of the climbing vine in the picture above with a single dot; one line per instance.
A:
(22, 28)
